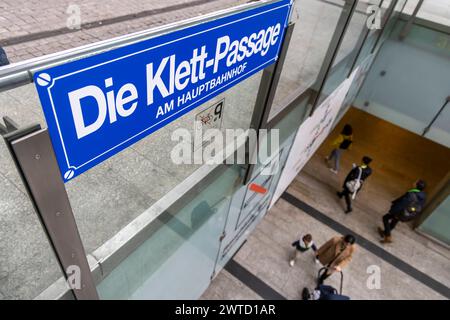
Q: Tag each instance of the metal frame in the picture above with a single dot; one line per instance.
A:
(311, 93)
(365, 37)
(107, 257)
(426, 23)
(338, 36)
(438, 195)
(108, 261)
(386, 19)
(111, 254)
(375, 49)
(115, 251)
(32, 152)
(428, 127)
(292, 103)
(360, 44)
(264, 100)
(407, 27)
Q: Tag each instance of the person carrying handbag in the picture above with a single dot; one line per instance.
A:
(354, 181)
(335, 254)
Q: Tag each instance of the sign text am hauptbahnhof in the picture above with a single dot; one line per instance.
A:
(97, 106)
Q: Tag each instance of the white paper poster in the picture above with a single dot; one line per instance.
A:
(310, 136)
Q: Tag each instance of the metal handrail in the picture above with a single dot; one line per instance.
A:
(21, 73)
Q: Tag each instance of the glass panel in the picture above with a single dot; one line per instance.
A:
(408, 82)
(247, 208)
(108, 197)
(437, 224)
(385, 5)
(125, 185)
(373, 35)
(307, 49)
(290, 123)
(440, 130)
(286, 127)
(27, 263)
(391, 23)
(356, 29)
(367, 47)
(178, 258)
(410, 6)
(347, 50)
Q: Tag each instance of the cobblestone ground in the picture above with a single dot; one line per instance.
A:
(32, 28)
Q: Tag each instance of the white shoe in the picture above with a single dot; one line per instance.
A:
(291, 263)
(334, 171)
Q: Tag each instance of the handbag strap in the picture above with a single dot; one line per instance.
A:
(360, 173)
(341, 250)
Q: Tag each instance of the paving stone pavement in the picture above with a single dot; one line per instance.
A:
(24, 19)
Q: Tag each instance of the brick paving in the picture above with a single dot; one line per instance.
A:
(24, 18)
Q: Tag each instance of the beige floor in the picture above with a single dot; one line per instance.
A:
(266, 252)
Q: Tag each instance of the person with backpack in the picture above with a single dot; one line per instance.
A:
(341, 143)
(354, 181)
(404, 209)
(335, 254)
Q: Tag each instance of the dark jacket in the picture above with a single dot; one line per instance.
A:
(400, 204)
(353, 174)
(3, 58)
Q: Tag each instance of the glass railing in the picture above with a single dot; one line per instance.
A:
(150, 222)
(110, 196)
(308, 47)
(179, 254)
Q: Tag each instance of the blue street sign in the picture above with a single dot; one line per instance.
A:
(100, 105)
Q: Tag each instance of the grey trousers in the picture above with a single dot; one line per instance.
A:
(336, 154)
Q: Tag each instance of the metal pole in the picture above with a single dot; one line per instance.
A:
(265, 96)
(407, 27)
(33, 154)
(436, 116)
(373, 51)
(333, 49)
(386, 18)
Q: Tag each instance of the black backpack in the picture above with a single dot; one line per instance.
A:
(412, 209)
(345, 144)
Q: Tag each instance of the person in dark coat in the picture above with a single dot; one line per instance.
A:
(362, 172)
(403, 209)
(3, 58)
